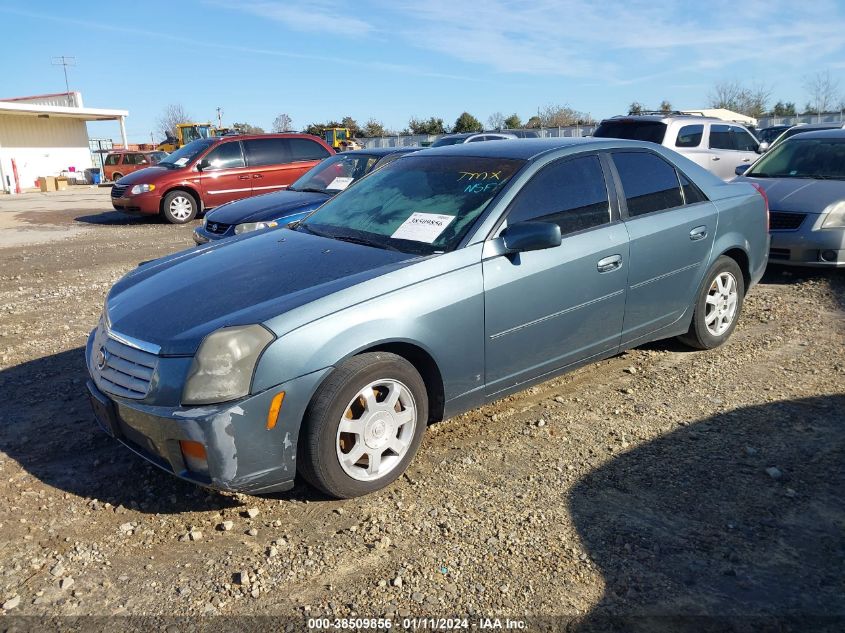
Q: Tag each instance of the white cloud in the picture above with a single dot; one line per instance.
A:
(329, 17)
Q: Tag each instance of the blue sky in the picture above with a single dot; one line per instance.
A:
(393, 59)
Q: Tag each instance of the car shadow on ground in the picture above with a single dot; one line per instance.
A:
(738, 515)
(49, 429)
(111, 218)
(46, 425)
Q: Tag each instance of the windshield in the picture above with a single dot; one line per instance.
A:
(449, 140)
(419, 204)
(336, 173)
(186, 154)
(803, 158)
(652, 131)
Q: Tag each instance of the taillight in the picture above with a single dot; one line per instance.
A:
(765, 199)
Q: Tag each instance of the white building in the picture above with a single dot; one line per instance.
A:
(45, 135)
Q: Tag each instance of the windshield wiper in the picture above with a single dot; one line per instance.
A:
(309, 190)
(364, 242)
(301, 225)
(827, 177)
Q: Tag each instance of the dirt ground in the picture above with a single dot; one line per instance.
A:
(658, 482)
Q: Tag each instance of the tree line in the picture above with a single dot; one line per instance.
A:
(822, 91)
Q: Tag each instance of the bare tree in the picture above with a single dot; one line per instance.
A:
(635, 108)
(822, 90)
(496, 121)
(562, 116)
(173, 114)
(282, 123)
(665, 106)
(748, 100)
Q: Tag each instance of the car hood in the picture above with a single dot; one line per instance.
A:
(267, 207)
(174, 302)
(145, 176)
(800, 194)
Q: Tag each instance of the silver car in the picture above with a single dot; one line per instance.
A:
(447, 279)
(718, 146)
(804, 179)
(472, 137)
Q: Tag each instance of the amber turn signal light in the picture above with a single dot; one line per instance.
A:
(275, 407)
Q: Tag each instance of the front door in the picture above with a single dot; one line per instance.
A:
(225, 176)
(551, 308)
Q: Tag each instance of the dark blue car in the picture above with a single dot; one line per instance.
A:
(313, 188)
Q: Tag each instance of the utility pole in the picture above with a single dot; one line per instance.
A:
(219, 116)
(64, 62)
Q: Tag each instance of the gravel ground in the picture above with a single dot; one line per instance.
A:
(659, 481)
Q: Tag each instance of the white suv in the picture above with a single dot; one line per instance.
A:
(718, 146)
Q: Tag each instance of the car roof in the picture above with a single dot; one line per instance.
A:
(830, 125)
(527, 148)
(838, 133)
(380, 151)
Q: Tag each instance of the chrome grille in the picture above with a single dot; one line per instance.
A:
(784, 221)
(121, 369)
(217, 228)
(118, 190)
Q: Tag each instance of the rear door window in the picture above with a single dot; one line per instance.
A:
(303, 149)
(570, 193)
(225, 156)
(267, 151)
(649, 182)
(692, 194)
(720, 137)
(652, 131)
(690, 136)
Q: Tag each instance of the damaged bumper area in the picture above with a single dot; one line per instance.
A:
(227, 446)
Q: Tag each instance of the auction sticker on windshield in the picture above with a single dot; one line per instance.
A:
(423, 227)
(340, 183)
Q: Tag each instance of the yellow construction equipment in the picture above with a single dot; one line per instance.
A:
(185, 133)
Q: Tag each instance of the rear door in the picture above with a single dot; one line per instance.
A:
(276, 162)
(671, 225)
(224, 176)
(547, 309)
(731, 146)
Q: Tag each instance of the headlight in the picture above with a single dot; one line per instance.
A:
(246, 227)
(136, 189)
(835, 216)
(223, 366)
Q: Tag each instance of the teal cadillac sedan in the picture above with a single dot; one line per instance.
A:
(447, 279)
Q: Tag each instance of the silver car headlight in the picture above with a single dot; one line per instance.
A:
(246, 227)
(136, 189)
(835, 216)
(223, 366)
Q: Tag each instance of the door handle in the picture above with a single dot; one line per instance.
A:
(716, 158)
(609, 263)
(698, 233)
(257, 176)
(243, 177)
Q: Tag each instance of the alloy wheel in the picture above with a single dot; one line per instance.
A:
(721, 304)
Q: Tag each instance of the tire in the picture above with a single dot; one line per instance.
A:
(718, 306)
(341, 462)
(116, 176)
(179, 207)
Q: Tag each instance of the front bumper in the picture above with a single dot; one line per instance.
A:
(243, 455)
(822, 248)
(204, 236)
(144, 204)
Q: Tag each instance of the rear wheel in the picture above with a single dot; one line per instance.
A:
(179, 207)
(718, 306)
(363, 426)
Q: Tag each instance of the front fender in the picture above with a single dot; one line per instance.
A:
(443, 315)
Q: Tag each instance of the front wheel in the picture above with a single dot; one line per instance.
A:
(179, 207)
(363, 426)
(718, 306)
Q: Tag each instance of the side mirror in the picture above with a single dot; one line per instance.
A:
(741, 169)
(531, 236)
(763, 147)
(202, 164)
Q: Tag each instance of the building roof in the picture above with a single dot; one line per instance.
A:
(36, 106)
(724, 114)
